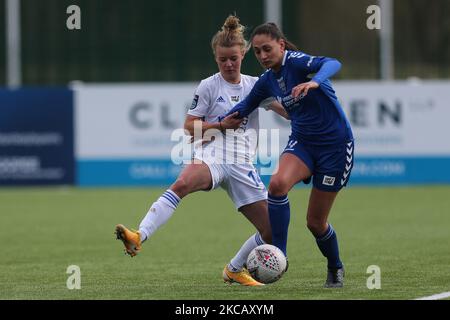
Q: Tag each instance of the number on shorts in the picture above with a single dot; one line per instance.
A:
(255, 177)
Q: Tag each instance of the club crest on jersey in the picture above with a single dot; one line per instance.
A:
(194, 102)
(328, 181)
(220, 99)
(281, 84)
(235, 98)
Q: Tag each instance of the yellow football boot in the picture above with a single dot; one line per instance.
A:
(130, 238)
(242, 277)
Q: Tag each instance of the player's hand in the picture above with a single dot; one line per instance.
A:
(230, 122)
(303, 88)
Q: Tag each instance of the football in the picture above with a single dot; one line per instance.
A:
(266, 263)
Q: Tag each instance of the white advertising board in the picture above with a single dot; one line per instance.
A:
(400, 128)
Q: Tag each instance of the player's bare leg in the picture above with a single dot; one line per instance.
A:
(258, 214)
(194, 177)
(320, 204)
(319, 207)
(291, 170)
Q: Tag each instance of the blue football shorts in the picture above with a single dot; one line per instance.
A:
(330, 165)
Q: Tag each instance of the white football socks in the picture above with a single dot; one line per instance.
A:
(159, 214)
(237, 263)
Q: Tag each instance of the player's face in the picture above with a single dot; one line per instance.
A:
(268, 51)
(229, 62)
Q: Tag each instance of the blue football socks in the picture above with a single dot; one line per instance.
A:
(328, 245)
(279, 214)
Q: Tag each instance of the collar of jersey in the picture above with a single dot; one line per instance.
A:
(284, 58)
(277, 74)
(231, 85)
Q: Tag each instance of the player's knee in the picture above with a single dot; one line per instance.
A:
(316, 226)
(278, 187)
(181, 187)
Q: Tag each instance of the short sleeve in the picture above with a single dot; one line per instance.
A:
(305, 63)
(201, 101)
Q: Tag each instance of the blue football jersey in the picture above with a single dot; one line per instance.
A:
(316, 118)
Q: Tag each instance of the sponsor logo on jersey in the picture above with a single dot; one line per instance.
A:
(194, 102)
(220, 99)
(328, 181)
(289, 102)
(235, 98)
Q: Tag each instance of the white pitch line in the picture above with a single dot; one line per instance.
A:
(438, 296)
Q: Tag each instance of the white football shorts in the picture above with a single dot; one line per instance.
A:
(241, 181)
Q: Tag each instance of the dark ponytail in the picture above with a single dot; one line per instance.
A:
(274, 32)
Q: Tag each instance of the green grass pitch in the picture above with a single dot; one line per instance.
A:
(404, 231)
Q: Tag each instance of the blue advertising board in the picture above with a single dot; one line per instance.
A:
(36, 136)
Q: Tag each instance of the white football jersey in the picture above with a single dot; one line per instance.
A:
(213, 98)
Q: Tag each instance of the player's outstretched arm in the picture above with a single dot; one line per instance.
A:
(252, 101)
(242, 109)
(303, 88)
(324, 67)
(328, 67)
(192, 123)
(231, 122)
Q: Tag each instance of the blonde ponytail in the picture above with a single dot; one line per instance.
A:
(231, 34)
